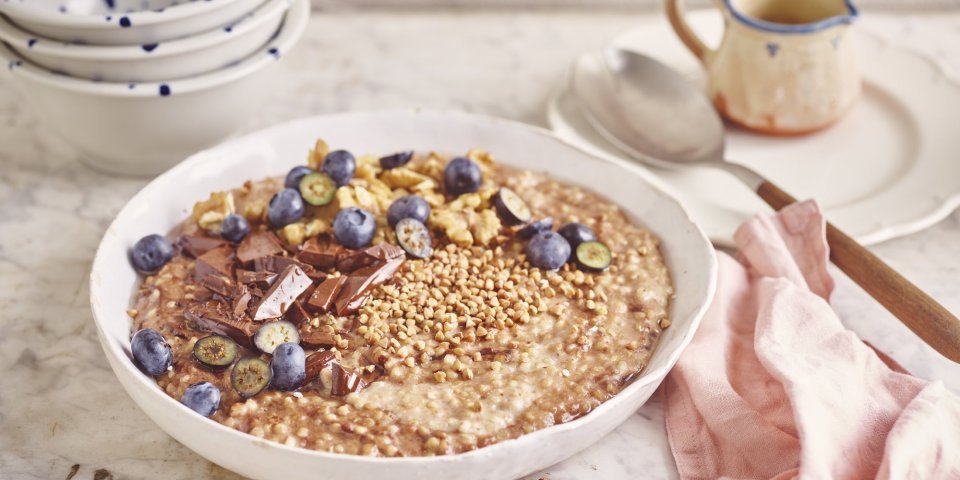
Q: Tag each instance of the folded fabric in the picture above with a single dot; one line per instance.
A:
(774, 386)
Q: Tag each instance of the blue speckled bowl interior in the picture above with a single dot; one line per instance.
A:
(101, 7)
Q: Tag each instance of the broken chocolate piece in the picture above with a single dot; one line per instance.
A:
(345, 381)
(317, 338)
(352, 260)
(241, 301)
(357, 289)
(262, 279)
(219, 261)
(276, 264)
(320, 255)
(219, 284)
(281, 295)
(259, 244)
(325, 294)
(216, 317)
(296, 314)
(195, 245)
(316, 362)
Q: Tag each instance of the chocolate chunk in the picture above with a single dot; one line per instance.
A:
(316, 362)
(241, 301)
(316, 275)
(317, 338)
(281, 295)
(219, 261)
(219, 284)
(258, 244)
(320, 255)
(195, 245)
(325, 294)
(262, 279)
(216, 317)
(381, 253)
(296, 314)
(277, 264)
(345, 381)
(357, 289)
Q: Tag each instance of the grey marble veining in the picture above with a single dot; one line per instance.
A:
(60, 405)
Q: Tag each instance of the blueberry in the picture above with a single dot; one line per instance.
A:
(535, 227)
(461, 176)
(288, 367)
(354, 227)
(203, 398)
(150, 254)
(294, 176)
(339, 165)
(577, 233)
(234, 228)
(151, 352)
(395, 160)
(285, 208)
(548, 250)
(409, 206)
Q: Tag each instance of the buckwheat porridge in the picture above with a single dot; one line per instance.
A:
(404, 305)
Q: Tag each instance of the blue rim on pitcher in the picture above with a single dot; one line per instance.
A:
(852, 14)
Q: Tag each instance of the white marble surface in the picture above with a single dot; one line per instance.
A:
(60, 405)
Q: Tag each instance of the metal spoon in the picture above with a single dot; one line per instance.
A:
(657, 117)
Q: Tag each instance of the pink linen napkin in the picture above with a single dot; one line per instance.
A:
(774, 386)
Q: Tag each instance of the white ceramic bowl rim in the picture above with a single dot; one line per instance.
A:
(287, 35)
(196, 160)
(28, 41)
(23, 10)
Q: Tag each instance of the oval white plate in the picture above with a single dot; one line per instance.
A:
(168, 199)
(887, 169)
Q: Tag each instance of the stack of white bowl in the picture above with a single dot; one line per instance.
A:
(138, 85)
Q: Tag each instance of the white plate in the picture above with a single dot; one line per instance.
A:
(888, 169)
(168, 199)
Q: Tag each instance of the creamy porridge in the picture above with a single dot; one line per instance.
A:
(376, 351)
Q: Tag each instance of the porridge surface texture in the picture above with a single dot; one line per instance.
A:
(468, 347)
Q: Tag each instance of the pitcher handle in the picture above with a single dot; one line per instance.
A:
(676, 15)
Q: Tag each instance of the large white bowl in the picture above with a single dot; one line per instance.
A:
(130, 22)
(168, 199)
(174, 59)
(144, 128)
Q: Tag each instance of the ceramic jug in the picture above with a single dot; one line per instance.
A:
(783, 67)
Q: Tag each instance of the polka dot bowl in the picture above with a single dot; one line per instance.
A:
(174, 59)
(144, 128)
(123, 22)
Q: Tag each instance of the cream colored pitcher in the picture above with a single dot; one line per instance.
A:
(784, 67)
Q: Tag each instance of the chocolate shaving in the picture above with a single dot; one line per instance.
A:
(281, 295)
(216, 317)
(258, 244)
(326, 293)
(320, 255)
(195, 245)
(317, 362)
(345, 381)
(219, 261)
(359, 284)
(262, 279)
(317, 339)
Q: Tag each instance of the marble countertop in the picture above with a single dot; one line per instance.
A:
(62, 412)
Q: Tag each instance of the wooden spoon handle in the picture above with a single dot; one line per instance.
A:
(918, 311)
